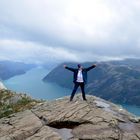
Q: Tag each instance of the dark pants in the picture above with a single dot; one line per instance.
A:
(82, 86)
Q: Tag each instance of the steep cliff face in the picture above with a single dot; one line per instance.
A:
(117, 81)
(60, 119)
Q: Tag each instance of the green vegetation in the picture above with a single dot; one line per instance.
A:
(11, 102)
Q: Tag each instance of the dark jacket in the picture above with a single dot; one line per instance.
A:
(84, 72)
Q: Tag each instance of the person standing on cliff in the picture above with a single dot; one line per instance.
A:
(79, 79)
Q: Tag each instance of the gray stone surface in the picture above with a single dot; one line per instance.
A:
(45, 133)
(19, 126)
(94, 119)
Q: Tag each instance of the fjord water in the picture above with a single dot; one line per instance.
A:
(32, 84)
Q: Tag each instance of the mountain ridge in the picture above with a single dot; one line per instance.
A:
(117, 81)
(9, 69)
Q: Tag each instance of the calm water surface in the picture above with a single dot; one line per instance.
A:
(32, 84)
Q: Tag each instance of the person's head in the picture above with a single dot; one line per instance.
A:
(79, 66)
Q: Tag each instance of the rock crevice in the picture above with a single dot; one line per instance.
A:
(60, 119)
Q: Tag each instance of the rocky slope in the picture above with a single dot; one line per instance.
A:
(2, 86)
(117, 81)
(60, 119)
(11, 102)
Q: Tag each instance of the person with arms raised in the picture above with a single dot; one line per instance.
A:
(79, 79)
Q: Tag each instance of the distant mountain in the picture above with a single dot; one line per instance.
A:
(9, 69)
(118, 81)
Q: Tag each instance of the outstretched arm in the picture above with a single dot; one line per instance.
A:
(89, 68)
(71, 69)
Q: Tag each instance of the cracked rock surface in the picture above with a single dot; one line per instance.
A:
(94, 119)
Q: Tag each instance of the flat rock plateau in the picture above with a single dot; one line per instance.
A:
(94, 119)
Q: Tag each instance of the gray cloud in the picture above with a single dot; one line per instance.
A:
(77, 30)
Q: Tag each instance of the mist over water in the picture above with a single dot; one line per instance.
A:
(32, 84)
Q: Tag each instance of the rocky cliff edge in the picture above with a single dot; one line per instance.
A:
(94, 119)
(2, 86)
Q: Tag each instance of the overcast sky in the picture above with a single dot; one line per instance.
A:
(44, 31)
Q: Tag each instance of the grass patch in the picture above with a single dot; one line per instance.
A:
(22, 104)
